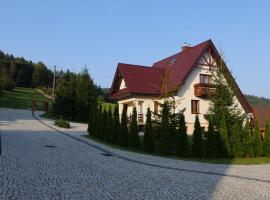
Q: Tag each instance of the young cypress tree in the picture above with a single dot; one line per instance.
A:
(148, 141)
(247, 142)
(182, 138)
(197, 143)
(98, 125)
(116, 126)
(258, 145)
(164, 143)
(224, 145)
(266, 141)
(236, 144)
(103, 128)
(211, 142)
(109, 125)
(91, 120)
(134, 140)
(124, 134)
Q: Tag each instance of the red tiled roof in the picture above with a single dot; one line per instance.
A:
(180, 64)
(141, 79)
(148, 80)
(262, 113)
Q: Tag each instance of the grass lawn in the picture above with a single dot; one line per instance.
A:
(106, 106)
(22, 98)
(237, 161)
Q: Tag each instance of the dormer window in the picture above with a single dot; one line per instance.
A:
(204, 78)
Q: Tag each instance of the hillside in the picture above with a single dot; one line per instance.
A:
(255, 100)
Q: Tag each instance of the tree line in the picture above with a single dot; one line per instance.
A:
(16, 71)
(75, 93)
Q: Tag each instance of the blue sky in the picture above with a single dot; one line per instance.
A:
(99, 34)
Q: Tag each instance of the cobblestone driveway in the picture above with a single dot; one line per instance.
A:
(38, 162)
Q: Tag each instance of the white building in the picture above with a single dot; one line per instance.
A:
(188, 79)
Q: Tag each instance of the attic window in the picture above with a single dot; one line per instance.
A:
(123, 84)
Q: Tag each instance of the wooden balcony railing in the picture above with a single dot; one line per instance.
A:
(140, 118)
(204, 90)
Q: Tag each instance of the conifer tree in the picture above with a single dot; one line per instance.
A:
(182, 138)
(148, 141)
(109, 125)
(164, 143)
(258, 145)
(247, 141)
(236, 144)
(116, 126)
(224, 145)
(266, 141)
(98, 125)
(197, 143)
(104, 130)
(124, 133)
(211, 142)
(134, 140)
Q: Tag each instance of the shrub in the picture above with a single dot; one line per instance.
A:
(247, 142)
(148, 141)
(211, 142)
(124, 133)
(62, 123)
(266, 141)
(236, 144)
(134, 131)
(258, 145)
(182, 138)
(197, 143)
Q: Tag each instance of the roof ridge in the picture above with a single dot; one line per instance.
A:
(134, 65)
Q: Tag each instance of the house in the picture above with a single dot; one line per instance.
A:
(188, 79)
(262, 113)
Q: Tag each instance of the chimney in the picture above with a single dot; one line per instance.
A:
(186, 46)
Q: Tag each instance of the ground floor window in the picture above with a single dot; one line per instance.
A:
(195, 106)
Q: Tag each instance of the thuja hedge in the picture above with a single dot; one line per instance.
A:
(166, 134)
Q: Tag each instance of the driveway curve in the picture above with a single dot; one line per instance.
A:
(41, 161)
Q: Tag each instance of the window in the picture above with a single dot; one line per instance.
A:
(195, 106)
(204, 78)
(155, 107)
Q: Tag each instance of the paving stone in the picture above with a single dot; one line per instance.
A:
(75, 170)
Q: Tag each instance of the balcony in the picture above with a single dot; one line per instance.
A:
(204, 90)
(140, 118)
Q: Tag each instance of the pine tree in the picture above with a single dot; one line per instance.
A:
(211, 142)
(182, 138)
(266, 141)
(197, 142)
(148, 141)
(224, 145)
(116, 126)
(258, 145)
(247, 141)
(236, 144)
(124, 133)
(134, 140)
(164, 143)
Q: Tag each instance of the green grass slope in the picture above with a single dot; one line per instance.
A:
(22, 98)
